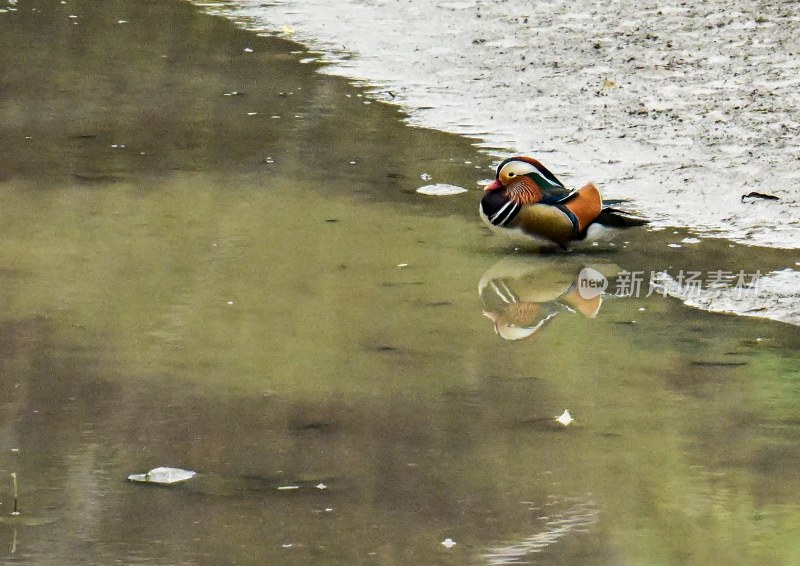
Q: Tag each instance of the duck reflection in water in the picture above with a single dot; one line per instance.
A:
(521, 295)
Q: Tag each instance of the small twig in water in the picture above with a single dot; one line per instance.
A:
(16, 495)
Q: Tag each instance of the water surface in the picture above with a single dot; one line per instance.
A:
(246, 285)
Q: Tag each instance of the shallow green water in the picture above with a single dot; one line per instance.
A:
(267, 301)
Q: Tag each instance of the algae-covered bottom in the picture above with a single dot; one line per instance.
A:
(214, 259)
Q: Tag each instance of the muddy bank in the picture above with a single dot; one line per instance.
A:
(682, 109)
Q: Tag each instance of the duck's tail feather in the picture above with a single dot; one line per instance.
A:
(615, 218)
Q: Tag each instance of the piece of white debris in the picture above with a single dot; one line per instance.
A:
(565, 418)
(441, 190)
(163, 475)
(448, 543)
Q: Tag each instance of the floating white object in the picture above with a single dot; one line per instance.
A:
(441, 190)
(565, 418)
(163, 475)
(448, 543)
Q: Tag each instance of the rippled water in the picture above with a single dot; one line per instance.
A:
(247, 285)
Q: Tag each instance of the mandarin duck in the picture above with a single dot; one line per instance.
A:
(528, 203)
